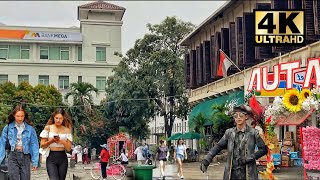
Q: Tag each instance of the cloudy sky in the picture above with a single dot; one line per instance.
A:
(137, 15)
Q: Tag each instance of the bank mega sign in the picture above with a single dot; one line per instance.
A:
(53, 36)
(40, 35)
(284, 77)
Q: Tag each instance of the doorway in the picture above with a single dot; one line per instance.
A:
(121, 144)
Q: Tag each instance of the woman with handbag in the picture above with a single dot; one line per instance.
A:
(56, 138)
(19, 138)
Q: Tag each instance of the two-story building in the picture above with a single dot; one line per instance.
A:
(60, 56)
(231, 29)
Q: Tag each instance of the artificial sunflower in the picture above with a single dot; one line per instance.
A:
(292, 100)
(305, 93)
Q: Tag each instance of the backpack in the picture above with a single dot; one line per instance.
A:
(145, 152)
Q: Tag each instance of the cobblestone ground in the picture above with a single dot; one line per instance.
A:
(191, 172)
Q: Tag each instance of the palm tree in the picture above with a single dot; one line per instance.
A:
(220, 120)
(81, 92)
(197, 124)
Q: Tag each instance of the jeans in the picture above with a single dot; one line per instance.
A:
(57, 165)
(19, 166)
(104, 169)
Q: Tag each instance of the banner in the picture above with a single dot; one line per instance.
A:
(40, 35)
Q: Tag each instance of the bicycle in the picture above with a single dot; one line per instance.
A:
(116, 170)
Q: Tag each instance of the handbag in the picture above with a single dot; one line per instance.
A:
(45, 151)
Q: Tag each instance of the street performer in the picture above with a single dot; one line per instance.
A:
(240, 142)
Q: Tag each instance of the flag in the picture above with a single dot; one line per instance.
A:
(224, 65)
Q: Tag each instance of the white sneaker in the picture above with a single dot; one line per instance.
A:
(181, 177)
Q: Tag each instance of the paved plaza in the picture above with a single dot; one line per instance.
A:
(191, 172)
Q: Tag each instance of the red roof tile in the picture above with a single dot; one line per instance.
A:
(101, 5)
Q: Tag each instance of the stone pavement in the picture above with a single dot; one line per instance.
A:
(191, 172)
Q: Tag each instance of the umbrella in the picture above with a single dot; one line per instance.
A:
(174, 137)
(190, 135)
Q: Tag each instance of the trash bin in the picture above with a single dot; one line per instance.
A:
(142, 172)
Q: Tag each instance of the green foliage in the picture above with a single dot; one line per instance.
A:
(40, 101)
(88, 122)
(148, 71)
(221, 121)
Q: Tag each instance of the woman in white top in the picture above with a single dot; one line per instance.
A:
(57, 137)
(180, 154)
(123, 157)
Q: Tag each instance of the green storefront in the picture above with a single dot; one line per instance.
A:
(206, 106)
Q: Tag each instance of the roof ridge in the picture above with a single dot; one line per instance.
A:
(100, 4)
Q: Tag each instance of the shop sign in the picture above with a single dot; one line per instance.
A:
(285, 76)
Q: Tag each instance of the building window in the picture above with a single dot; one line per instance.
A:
(14, 51)
(79, 53)
(22, 78)
(101, 83)
(63, 82)
(3, 78)
(100, 54)
(79, 79)
(44, 79)
(44, 52)
(54, 53)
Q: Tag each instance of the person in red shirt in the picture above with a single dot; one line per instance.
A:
(104, 159)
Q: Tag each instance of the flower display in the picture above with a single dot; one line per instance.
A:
(292, 100)
(305, 93)
(311, 137)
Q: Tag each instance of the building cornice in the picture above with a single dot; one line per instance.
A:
(46, 64)
(39, 41)
(107, 23)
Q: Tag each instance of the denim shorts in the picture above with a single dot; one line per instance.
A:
(180, 156)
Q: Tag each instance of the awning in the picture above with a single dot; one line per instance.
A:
(206, 107)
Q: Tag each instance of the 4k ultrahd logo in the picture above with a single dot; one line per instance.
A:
(279, 27)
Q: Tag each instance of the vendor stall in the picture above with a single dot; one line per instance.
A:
(121, 141)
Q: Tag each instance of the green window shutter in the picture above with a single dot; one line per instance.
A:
(4, 53)
(14, 52)
(22, 78)
(64, 53)
(101, 82)
(79, 53)
(44, 52)
(3, 78)
(25, 52)
(100, 54)
(54, 53)
(44, 79)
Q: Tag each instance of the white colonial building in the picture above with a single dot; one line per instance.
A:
(60, 56)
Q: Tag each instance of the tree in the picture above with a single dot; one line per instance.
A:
(221, 121)
(40, 101)
(197, 124)
(81, 93)
(155, 68)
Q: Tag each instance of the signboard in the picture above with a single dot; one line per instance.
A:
(279, 27)
(284, 76)
(40, 35)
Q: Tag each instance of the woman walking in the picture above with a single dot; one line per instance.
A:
(179, 155)
(23, 145)
(163, 156)
(57, 137)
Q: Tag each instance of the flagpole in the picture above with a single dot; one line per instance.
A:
(230, 60)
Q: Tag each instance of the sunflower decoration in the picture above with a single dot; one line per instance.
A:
(305, 93)
(292, 100)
